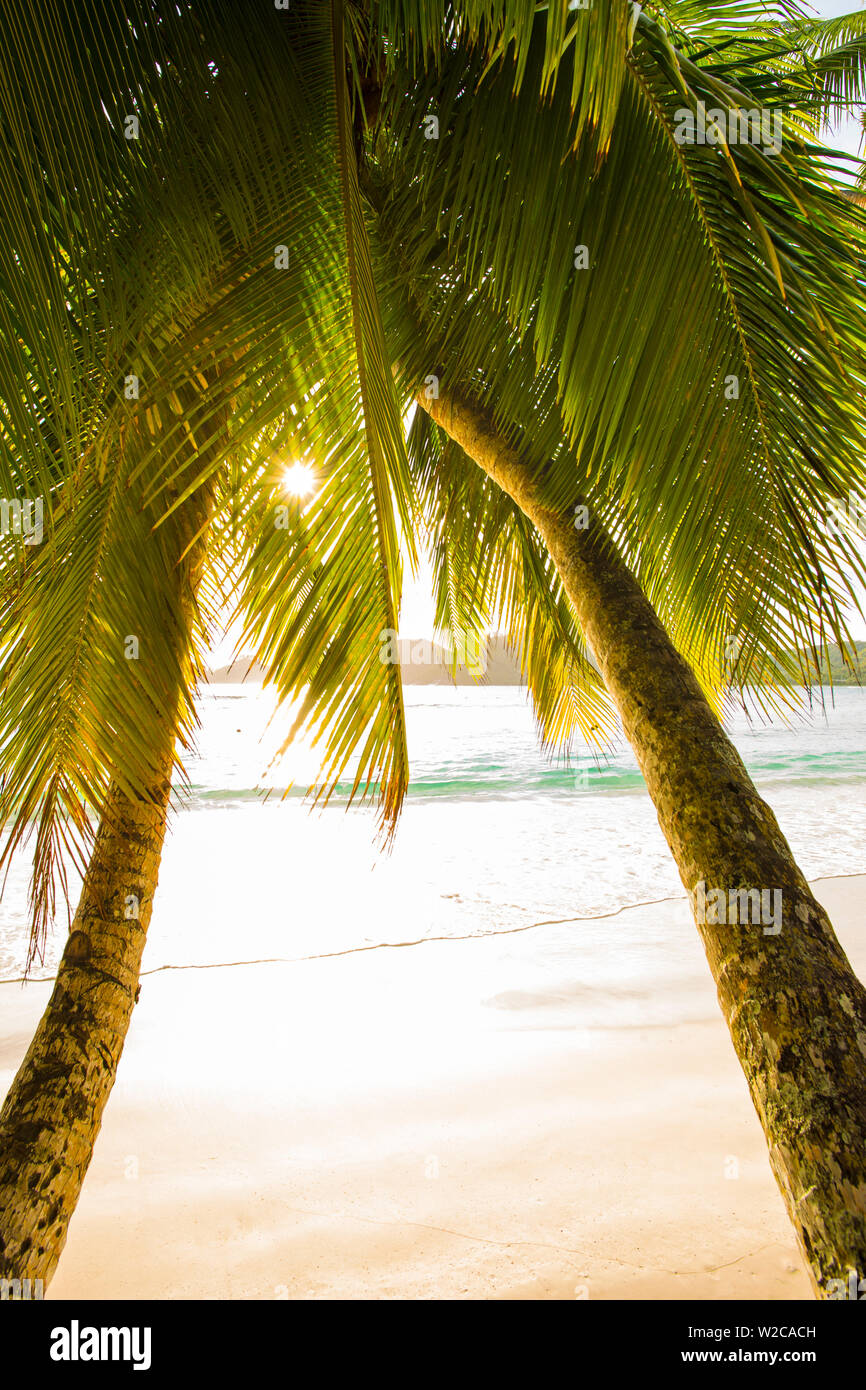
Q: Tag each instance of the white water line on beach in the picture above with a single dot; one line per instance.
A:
(397, 945)
(375, 946)
(421, 940)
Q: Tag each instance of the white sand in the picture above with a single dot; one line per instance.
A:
(370, 1127)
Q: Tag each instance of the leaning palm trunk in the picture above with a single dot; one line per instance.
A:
(53, 1112)
(795, 1009)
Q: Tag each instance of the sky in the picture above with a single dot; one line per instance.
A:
(846, 136)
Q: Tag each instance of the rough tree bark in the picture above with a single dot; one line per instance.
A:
(795, 1009)
(53, 1111)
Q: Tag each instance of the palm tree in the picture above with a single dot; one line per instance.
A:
(188, 223)
(794, 1007)
(164, 339)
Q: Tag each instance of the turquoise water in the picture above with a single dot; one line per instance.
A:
(495, 836)
(481, 743)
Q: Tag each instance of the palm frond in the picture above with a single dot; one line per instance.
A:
(163, 316)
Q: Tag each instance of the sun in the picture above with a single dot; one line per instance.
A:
(299, 479)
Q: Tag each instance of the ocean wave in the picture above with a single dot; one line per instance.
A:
(803, 770)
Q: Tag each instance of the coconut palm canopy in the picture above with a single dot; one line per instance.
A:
(240, 236)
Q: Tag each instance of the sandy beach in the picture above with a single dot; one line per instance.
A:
(326, 1129)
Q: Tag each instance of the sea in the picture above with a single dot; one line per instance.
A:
(497, 838)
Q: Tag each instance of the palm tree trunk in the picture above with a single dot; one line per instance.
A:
(795, 1009)
(53, 1111)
